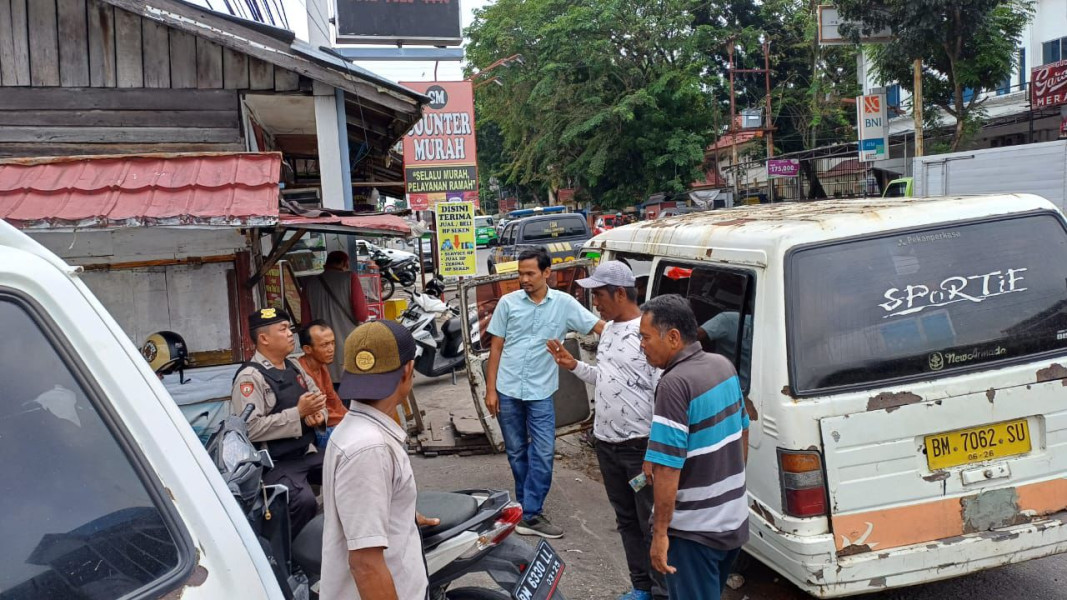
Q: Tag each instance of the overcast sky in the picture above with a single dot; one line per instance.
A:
(397, 71)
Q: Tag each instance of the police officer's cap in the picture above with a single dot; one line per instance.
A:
(266, 316)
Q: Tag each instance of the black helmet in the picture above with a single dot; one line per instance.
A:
(166, 353)
(436, 286)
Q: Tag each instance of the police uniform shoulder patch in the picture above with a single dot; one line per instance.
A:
(247, 388)
(300, 380)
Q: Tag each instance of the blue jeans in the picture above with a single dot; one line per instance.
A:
(702, 570)
(322, 437)
(529, 429)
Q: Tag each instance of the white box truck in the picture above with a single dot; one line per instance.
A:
(1039, 169)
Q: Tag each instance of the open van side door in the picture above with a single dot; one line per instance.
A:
(574, 400)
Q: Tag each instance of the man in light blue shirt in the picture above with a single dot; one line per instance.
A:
(522, 376)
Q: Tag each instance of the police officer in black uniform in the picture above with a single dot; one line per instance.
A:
(288, 406)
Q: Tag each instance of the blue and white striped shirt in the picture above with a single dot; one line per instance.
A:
(697, 427)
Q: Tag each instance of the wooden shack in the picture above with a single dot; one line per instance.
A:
(134, 76)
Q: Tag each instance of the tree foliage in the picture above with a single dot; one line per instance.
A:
(621, 98)
(610, 96)
(964, 45)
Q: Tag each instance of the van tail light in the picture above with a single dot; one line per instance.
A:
(803, 483)
(501, 528)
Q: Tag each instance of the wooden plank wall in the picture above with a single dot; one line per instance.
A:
(89, 43)
(83, 77)
(42, 121)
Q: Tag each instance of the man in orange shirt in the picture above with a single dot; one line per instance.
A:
(318, 343)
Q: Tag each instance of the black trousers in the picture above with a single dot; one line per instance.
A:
(619, 463)
(298, 474)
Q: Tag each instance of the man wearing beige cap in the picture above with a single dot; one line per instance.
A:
(371, 548)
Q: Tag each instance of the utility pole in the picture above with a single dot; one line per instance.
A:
(732, 129)
(768, 119)
(917, 106)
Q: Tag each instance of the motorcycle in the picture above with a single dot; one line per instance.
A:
(473, 535)
(438, 351)
(393, 271)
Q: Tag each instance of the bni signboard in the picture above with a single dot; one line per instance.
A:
(440, 158)
(419, 22)
(873, 127)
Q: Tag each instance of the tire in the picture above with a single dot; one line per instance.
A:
(469, 593)
(388, 288)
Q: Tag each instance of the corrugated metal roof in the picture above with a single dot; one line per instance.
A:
(230, 189)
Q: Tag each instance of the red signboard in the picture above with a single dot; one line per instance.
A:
(1048, 85)
(440, 158)
(508, 204)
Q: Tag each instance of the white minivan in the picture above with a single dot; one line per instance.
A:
(905, 369)
(105, 491)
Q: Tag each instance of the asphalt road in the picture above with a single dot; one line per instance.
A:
(596, 567)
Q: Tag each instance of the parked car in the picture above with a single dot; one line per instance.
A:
(561, 234)
(484, 231)
(901, 361)
(607, 223)
(899, 188)
(108, 491)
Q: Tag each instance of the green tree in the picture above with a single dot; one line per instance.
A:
(611, 97)
(964, 45)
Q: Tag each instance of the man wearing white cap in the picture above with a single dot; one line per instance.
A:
(625, 396)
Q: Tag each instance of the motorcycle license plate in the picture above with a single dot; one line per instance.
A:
(541, 577)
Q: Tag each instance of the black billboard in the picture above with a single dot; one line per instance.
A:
(417, 22)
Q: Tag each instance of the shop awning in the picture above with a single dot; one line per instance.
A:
(377, 224)
(205, 190)
(222, 190)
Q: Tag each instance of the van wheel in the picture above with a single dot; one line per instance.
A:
(476, 594)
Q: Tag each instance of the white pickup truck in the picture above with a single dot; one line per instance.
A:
(105, 491)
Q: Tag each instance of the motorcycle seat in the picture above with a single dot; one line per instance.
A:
(453, 509)
(307, 547)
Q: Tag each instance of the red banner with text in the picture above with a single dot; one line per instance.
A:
(440, 157)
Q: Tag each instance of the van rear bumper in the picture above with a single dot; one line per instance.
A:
(812, 564)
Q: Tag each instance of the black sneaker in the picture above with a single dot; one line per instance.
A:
(540, 526)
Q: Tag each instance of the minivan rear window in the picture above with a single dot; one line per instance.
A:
(547, 229)
(926, 303)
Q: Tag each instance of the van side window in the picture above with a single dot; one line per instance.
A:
(641, 265)
(722, 300)
(77, 519)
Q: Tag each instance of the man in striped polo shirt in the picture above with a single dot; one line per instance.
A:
(696, 454)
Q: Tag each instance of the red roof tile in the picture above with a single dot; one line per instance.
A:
(120, 191)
